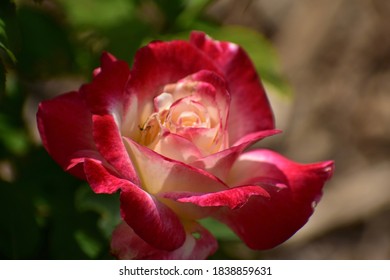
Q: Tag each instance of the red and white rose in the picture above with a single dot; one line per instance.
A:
(171, 135)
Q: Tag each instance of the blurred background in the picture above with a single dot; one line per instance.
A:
(326, 67)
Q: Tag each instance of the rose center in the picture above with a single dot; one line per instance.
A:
(186, 113)
(173, 116)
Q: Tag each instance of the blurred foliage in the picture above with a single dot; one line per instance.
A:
(7, 58)
(45, 213)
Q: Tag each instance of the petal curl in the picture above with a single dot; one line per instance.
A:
(199, 244)
(100, 179)
(154, 222)
(263, 224)
(250, 110)
(220, 163)
(233, 198)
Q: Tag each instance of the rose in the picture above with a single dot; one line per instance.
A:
(170, 135)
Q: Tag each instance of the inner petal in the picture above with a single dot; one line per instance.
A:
(187, 113)
(163, 101)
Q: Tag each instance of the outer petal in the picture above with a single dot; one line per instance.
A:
(233, 198)
(100, 179)
(199, 244)
(106, 93)
(154, 222)
(250, 110)
(109, 143)
(65, 126)
(65, 122)
(263, 224)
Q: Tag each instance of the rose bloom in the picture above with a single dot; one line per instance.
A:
(171, 135)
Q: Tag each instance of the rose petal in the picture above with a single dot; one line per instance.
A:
(199, 244)
(109, 143)
(204, 94)
(101, 178)
(263, 224)
(232, 198)
(211, 90)
(106, 59)
(177, 147)
(220, 163)
(106, 94)
(65, 126)
(154, 222)
(160, 174)
(250, 110)
(162, 63)
(207, 140)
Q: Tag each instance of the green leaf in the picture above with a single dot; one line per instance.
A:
(2, 79)
(7, 55)
(7, 22)
(221, 231)
(90, 245)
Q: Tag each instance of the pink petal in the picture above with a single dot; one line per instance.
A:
(212, 90)
(205, 91)
(177, 147)
(233, 198)
(207, 140)
(154, 222)
(199, 244)
(250, 110)
(160, 174)
(220, 163)
(109, 143)
(107, 92)
(65, 126)
(263, 224)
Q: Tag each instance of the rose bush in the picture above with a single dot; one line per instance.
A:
(170, 134)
